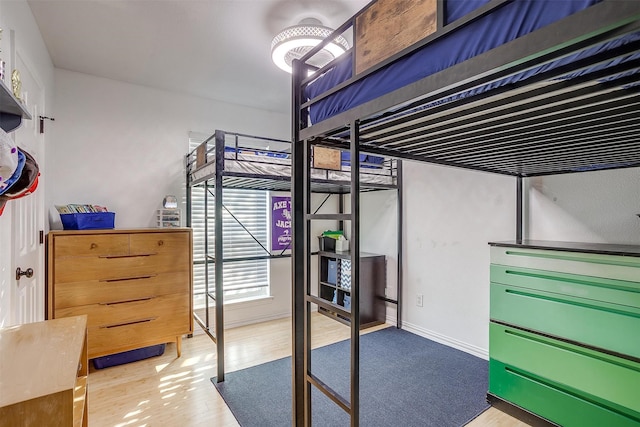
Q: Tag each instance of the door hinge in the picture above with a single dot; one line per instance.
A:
(41, 237)
(42, 119)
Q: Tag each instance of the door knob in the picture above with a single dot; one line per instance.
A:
(28, 272)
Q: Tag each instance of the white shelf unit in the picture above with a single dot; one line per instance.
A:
(168, 218)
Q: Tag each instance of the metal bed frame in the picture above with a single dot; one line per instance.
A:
(539, 126)
(218, 178)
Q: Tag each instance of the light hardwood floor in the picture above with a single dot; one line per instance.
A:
(170, 391)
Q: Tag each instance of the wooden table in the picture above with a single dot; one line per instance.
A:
(43, 373)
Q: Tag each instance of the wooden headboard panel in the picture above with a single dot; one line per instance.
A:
(389, 26)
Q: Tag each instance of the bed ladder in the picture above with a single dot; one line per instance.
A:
(303, 298)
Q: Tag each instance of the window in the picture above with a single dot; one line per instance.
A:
(245, 223)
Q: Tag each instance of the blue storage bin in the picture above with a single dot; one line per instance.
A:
(88, 221)
(347, 302)
(332, 271)
(128, 356)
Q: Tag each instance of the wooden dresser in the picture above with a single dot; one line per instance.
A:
(134, 285)
(43, 373)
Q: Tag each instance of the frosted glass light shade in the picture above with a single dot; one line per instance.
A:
(294, 42)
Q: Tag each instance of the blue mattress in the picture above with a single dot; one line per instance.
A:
(502, 25)
(366, 160)
(240, 150)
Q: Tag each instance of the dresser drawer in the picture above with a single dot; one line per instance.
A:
(586, 264)
(622, 292)
(91, 245)
(119, 267)
(609, 381)
(127, 336)
(594, 323)
(99, 291)
(161, 243)
(120, 312)
(542, 398)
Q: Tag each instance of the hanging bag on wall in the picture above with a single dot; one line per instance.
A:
(23, 181)
(8, 159)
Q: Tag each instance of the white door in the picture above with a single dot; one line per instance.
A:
(28, 212)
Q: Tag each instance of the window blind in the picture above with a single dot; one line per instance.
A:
(244, 224)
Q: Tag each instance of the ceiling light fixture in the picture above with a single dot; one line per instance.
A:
(294, 42)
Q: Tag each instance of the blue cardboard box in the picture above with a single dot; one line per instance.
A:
(88, 221)
(128, 356)
(332, 271)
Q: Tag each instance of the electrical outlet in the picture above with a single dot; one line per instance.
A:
(419, 300)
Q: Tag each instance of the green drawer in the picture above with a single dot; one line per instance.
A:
(605, 325)
(585, 264)
(608, 382)
(539, 397)
(622, 292)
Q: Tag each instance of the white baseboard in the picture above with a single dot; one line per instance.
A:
(442, 339)
(392, 315)
(244, 322)
(258, 319)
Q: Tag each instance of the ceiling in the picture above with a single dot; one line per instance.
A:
(215, 49)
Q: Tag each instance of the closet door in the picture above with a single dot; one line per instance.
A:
(28, 212)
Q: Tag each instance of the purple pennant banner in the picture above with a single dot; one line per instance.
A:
(280, 223)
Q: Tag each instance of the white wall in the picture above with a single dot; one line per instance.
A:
(123, 145)
(598, 207)
(450, 215)
(379, 235)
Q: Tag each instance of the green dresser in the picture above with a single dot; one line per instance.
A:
(564, 337)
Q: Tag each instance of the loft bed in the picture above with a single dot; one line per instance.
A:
(257, 163)
(240, 161)
(521, 88)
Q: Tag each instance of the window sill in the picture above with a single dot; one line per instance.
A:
(249, 300)
(238, 302)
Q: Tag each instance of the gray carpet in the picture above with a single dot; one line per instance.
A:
(405, 380)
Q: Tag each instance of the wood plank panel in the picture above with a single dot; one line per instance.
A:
(389, 26)
(326, 158)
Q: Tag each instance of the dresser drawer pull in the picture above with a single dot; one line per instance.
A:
(122, 279)
(128, 256)
(128, 300)
(133, 322)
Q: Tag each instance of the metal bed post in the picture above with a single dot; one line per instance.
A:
(519, 208)
(340, 210)
(399, 183)
(306, 147)
(219, 260)
(297, 256)
(355, 274)
(206, 253)
(189, 190)
(440, 14)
